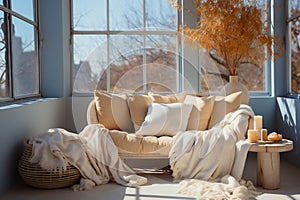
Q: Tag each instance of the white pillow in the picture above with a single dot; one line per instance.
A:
(165, 119)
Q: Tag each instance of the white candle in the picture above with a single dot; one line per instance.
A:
(252, 135)
(258, 124)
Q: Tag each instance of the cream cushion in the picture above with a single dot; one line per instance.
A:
(224, 105)
(147, 144)
(165, 119)
(158, 98)
(113, 111)
(201, 111)
(138, 107)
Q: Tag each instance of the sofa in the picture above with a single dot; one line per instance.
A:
(144, 126)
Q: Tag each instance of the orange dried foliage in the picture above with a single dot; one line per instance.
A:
(234, 30)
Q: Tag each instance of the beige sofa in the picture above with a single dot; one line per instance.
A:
(205, 112)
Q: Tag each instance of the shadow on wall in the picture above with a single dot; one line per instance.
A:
(289, 125)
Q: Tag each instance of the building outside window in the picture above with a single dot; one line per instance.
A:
(19, 49)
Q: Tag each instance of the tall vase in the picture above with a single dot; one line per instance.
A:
(234, 86)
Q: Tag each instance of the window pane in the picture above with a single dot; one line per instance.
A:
(24, 7)
(4, 71)
(90, 62)
(126, 58)
(125, 15)
(25, 59)
(161, 63)
(160, 15)
(89, 15)
(295, 48)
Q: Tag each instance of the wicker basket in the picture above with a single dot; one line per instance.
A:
(34, 175)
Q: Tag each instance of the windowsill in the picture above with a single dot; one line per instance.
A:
(20, 103)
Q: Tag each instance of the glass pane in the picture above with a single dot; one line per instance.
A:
(125, 15)
(4, 71)
(160, 15)
(295, 47)
(90, 62)
(126, 63)
(24, 7)
(89, 15)
(214, 75)
(25, 59)
(161, 63)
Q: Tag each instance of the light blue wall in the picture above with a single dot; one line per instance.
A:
(22, 120)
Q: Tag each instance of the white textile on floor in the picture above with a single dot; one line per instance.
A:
(214, 153)
(92, 152)
(227, 188)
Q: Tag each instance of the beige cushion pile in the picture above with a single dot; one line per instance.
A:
(162, 115)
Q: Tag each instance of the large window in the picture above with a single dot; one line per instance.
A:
(294, 46)
(134, 45)
(256, 77)
(127, 45)
(19, 49)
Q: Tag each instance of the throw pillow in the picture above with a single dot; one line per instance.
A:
(158, 98)
(201, 111)
(224, 105)
(165, 119)
(113, 111)
(138, 107)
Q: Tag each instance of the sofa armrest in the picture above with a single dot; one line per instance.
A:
(91, 113)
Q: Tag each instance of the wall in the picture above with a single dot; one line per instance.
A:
(19, 122)
(23, 119)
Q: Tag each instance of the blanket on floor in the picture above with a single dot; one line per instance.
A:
(92, 152)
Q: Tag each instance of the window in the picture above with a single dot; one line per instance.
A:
(125, 46)
(294, 46)
(254, 76)
(19, 49)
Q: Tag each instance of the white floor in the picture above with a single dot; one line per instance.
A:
(160, 186)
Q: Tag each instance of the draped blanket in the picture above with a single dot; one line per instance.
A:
(213, 155)
(92, 152)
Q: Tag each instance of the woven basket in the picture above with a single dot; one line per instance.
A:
(34, 175)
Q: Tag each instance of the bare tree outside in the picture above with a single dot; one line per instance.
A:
(129, 60)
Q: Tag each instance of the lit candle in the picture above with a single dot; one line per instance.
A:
(258, 122)
(252, 135)
(264, 134)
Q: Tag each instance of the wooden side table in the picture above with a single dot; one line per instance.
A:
(268, 162)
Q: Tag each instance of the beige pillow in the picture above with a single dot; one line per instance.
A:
(165, 119)
(113, 111)
(201, 111)
(138, 106)
(224, 105)
(157, 98)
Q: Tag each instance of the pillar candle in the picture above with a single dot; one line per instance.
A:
(264, 134)
(252, 135)
(258, 124)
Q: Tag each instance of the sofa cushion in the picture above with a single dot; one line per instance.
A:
(158, 98)
(224, 105)
(201, 111)
(113, 111)
(138, 106)
(132, 143)
(165, 119)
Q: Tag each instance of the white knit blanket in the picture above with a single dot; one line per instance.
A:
(92, 152)
(213, 154)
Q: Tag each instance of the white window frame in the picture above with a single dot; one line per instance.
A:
(288, 50)
(10, 13)
(143, 32)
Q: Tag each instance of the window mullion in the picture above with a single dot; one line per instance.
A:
(144, 49)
